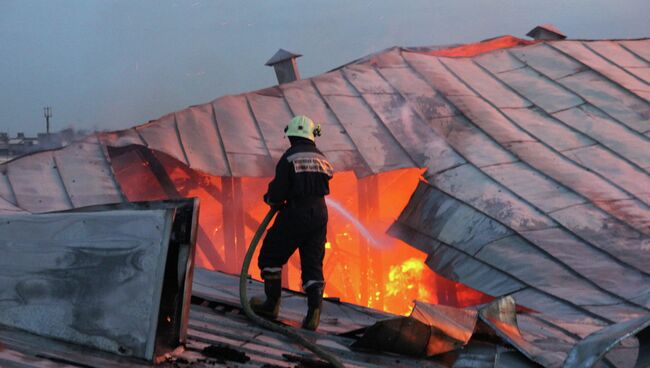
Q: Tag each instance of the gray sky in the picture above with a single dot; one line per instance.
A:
(115, 64)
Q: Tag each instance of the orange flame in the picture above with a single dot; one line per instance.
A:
(387, 276)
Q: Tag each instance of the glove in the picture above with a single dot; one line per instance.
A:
(277, 206)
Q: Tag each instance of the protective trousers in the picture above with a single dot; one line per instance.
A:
(297, 227)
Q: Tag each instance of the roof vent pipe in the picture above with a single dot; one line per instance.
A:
(286, 68)
(546, 32)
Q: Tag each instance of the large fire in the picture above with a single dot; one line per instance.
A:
(363, 265)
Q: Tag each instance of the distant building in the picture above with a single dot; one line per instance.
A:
(12, 147)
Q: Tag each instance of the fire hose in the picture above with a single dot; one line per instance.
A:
(243, 298)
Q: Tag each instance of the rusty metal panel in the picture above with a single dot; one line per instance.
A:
(541, 91)
(272, 115)
(580, 52)
(609, 133)
(484, 84)
(547, 60)
(547, 129)
(201, 141)
(632, 179)
(612, 99)
(607, 233)
(499, 61)
(162, 135)
(86, 174)
(468, 184)
(434, 72)
(533, 186)
(37, 183)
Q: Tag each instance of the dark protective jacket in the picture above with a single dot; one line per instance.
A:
(302, 172)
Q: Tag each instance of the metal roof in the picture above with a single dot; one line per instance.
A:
(536, 156)
(216, 320)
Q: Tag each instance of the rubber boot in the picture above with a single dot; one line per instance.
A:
(314, 304)
(270, 307)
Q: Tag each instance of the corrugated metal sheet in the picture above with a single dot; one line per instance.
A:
(541, 147)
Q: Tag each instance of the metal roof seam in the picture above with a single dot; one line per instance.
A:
(609, 60)
(220, 138)
(544, 252)
(13, 200)
(587, 103)
(515, 278)
(587, 69)
(137, 131)
(554, 151)
(495, 141)
(410, 104)
(62, 182)
(180, 141)
(377, 117)
(591, 244)
(633, 52)
(551, 115)
(568, 333)
(109, 167)
(320, 95)
(257, 125)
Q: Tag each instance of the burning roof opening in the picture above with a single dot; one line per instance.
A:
(363, 265)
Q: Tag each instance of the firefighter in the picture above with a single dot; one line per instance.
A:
(298, 190)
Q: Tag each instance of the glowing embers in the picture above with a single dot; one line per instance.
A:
(362, 265)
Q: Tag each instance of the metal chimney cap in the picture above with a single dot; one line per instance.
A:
(280, 56)
(545, 29)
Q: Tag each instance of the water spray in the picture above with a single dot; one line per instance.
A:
(350, 217)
